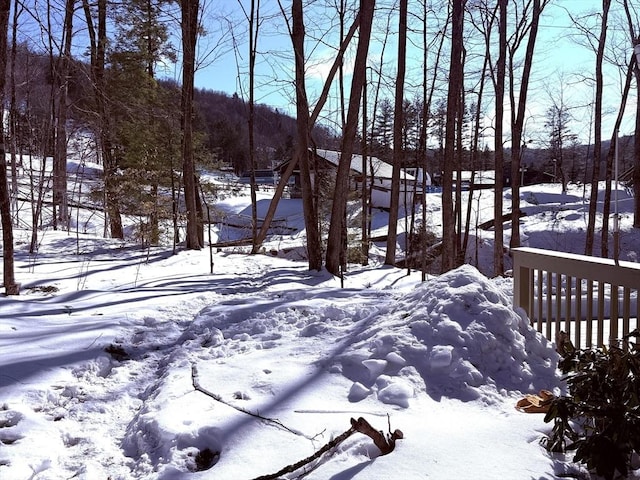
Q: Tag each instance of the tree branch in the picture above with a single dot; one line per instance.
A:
(386, 444)
(325, 448)
(196, 385)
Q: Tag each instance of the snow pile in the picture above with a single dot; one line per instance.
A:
(455, 336)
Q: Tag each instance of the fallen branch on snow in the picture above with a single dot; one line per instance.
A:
(196, 385)
(386, 444)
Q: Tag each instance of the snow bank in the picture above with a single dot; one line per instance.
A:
(455, 336)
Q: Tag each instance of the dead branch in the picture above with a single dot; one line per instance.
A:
(325, 448)
(386, 444)
(218, 398)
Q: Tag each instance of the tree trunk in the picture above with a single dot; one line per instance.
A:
(254, 25)
(517, 124)
(610, 161)
(398, 147)
(597, 154)
(636, 150)
(498, 247)
(335, 246)
(635, 39)
(365, 200)
(303, 123)
(189, 36)
(453, 105)
(13, 110)
(8, 275)
(98, 45)
(110, 161)
(60, 199)
(459, 254)
(474, 158)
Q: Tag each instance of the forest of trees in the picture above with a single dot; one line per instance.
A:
(444, 85)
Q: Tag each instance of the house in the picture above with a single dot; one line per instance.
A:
(262, 177)
(377, 172)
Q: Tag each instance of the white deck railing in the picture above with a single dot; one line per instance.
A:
(594, 300)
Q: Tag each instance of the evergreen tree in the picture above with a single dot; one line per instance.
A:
(560, 138)
(145, 126)
(383, 130)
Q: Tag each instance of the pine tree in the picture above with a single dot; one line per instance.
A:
(142, 108)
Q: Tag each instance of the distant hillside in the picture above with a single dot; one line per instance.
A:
(224, 119)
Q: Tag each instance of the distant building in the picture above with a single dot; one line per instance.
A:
(378, 177)
(263, 177)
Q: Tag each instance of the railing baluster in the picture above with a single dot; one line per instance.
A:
(589, 313)
(626, 311)
(567, 320)
(549, 318)
(613, 321)
(578, 313)
(600, 333)
(539, 299)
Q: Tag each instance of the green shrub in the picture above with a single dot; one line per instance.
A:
(600, 419)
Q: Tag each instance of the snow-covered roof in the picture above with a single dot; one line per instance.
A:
(381, 169)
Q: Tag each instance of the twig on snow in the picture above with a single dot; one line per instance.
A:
(218, 398)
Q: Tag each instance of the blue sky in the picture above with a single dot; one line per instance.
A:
(561, 64)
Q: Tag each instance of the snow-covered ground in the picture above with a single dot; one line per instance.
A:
(106, 356)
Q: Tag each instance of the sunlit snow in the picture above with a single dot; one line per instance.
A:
(100, 352)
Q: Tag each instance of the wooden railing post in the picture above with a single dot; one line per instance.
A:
(522, 285)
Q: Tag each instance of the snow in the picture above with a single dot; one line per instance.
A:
(101, 354)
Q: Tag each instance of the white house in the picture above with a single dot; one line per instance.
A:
(378, 177)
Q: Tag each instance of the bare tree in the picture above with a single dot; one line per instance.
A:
(8, 275)
(452, 115)
(613, 146)
(499, 82)
(314, 117)
(597, 157)
(98, 46)
(335, 242)
(189, 16)
(398, 147)
(635, 41)
(254, 26)
(427, 99)
(518, 108)
(61, 69)
(13, 109)
(314, 249)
